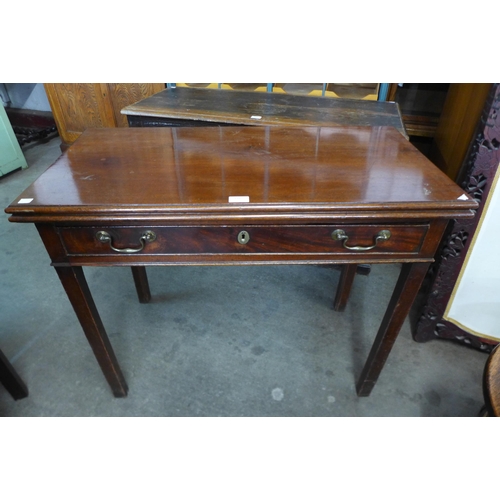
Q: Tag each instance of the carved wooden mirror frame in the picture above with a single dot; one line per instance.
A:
(476, 177)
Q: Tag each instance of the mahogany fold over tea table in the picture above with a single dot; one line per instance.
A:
(241, 195)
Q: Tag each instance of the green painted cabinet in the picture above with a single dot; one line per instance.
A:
(11, 155)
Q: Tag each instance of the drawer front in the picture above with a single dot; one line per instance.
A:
(184, 240)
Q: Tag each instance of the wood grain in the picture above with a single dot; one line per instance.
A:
(409, 281)
(192, 106)
(263, 239)
(78, 106)
(459, 118)
(281, 169)
(124, 94)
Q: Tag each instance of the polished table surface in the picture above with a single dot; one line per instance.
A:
(192, 106)
(166, 196)
(185, 107)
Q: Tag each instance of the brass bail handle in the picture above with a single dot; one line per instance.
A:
(105, 237)
(340, 235)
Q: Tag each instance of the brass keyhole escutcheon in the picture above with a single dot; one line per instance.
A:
(243, 237)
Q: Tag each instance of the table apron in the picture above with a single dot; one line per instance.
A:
(250, 243)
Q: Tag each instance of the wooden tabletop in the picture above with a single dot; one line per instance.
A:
(265, 108)
(153, 170)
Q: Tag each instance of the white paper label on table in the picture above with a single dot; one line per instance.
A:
(239, 199)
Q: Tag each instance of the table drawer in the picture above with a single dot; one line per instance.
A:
(291, 239)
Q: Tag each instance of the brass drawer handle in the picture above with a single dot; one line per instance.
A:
(339, 235)
(105, 237)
